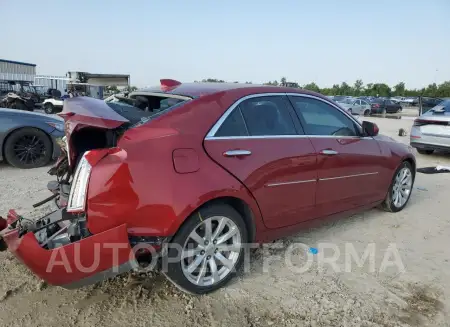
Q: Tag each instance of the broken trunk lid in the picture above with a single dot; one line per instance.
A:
(92, 112)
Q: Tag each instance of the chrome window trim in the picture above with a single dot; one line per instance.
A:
(221, 120)
(218, 124)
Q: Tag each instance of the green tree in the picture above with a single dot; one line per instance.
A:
(399, 89)
(312, 87)
(358, 86)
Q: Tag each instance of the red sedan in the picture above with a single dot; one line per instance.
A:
(194, 172)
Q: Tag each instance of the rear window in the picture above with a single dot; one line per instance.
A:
(377, 100)
(445, 104)
(141, 109)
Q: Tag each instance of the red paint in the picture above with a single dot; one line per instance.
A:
(97, 251)
(163, 171)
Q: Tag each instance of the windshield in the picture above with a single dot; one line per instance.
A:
(339, 98)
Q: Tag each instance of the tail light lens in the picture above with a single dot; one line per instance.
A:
(78, 190)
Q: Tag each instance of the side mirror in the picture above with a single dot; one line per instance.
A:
(370, 129)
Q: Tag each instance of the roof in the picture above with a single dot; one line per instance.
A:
(199, 89)
(17, 62)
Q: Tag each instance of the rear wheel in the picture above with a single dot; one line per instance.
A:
(212, 249)
(421, 151)
(366, 112)
(400, 189)
(49, 108)
(28, 148)
(350, 111)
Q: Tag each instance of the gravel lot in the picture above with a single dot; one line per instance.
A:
(419, 296)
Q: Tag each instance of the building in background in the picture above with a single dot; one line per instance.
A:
(16, 70)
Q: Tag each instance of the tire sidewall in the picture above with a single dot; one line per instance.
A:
(389, 202)
(49, 108)
(174, 270)
(12, 139)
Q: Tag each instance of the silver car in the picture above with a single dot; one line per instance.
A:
(431, 131)
(356, 106)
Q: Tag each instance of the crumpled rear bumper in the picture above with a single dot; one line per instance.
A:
(77, 264)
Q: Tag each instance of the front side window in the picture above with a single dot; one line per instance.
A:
(320, 118)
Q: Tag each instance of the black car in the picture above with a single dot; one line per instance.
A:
(382, 106)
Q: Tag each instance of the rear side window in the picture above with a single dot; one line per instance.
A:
(268, 115)
(234, 125)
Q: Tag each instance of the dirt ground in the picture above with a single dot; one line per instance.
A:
(419, 296)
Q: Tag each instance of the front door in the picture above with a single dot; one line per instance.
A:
(262, 144)
(350, 166)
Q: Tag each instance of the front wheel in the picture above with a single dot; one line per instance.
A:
(350, 111)
(400, 189)
(207, 250)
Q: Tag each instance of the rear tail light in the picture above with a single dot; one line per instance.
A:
(78, 190)
(422, 122)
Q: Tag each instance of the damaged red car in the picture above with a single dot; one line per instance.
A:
(206, 168)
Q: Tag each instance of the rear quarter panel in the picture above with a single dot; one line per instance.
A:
(139, 185)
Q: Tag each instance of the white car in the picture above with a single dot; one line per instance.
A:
(431, 131)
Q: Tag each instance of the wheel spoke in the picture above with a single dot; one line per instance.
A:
(202, 272)
(213, 268)
(225, 261)
(219, 228)
(194, 264)
(208, 229)
(229, 248)
(225, 237)
(197, 238)
(187, 253)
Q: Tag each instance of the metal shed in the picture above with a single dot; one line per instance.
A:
(16, 70)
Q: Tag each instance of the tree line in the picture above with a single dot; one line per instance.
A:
(359, 88)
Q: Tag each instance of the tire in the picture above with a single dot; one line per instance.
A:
(422, 151)
(389, 203)
(350, 111)
(177, 268)
(17, 156)
(399, 110)
(367, 112)
(49, 108)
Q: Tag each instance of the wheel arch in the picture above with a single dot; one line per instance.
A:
(242, 207)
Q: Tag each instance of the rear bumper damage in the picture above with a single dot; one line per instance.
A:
(52, 249)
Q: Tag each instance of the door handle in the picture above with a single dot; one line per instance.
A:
(237, 153)
(328, 152)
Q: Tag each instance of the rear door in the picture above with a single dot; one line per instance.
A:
(350, 167)
(261, 143)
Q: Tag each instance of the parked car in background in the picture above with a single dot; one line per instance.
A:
(431, 130)
(29, 139)
(221, 166)
(428, 103)
(356, 106)
(382, 106)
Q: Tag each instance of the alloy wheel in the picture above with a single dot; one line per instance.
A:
(401, 189)
(211, 251)
(29, 149)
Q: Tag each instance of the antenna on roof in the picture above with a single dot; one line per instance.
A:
(168, 83)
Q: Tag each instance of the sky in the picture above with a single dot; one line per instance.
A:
(321, 41)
